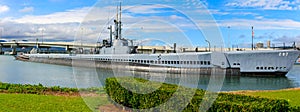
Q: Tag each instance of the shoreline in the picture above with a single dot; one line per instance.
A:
(77, 91)
(253, 91)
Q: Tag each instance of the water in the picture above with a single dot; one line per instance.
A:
(12, 71)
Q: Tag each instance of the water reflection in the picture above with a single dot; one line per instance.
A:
(294, 75)
(256, 83)
(230, 82)
(18, 72)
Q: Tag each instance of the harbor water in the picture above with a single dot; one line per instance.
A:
(18, 72)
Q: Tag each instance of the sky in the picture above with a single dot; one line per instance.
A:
(187, 22)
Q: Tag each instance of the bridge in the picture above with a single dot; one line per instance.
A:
(67, 45)
(141, 49)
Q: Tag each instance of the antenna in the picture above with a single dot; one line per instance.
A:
(120, 23)
(120, 11)
(117, 13)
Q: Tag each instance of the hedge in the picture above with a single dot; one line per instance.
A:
(155, 101)
(33, 89)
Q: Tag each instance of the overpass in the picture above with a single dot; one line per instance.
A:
(141, 49)
(48, 44)
(67, 45)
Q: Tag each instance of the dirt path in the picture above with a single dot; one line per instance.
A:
(111, 108)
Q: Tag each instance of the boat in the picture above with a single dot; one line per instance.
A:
(21, 57)
(120, 53)
(297, 62)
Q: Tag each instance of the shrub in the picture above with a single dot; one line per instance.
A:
(32, 89)
(154, 100)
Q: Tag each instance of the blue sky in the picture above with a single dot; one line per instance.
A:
(169, 22)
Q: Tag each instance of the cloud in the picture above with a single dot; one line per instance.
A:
(263, 24)
(68, 16)
(29, 31)
(275, 38)
(27, 9)
(64, 25)
(242, 36)
(4, 8)
(266, 4)
(149, 9)
(287, 39)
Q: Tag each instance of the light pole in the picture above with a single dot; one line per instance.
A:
(81, 37)
(208, 45)
(42, 36)
(252, 36)
(228, 37)
(1, 31)
(0, 38)
(42, 31)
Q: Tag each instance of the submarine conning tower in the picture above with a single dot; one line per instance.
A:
(118, 45)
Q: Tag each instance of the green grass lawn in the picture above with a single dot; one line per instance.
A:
(32, 102)
(17, 97)
(291, 95)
